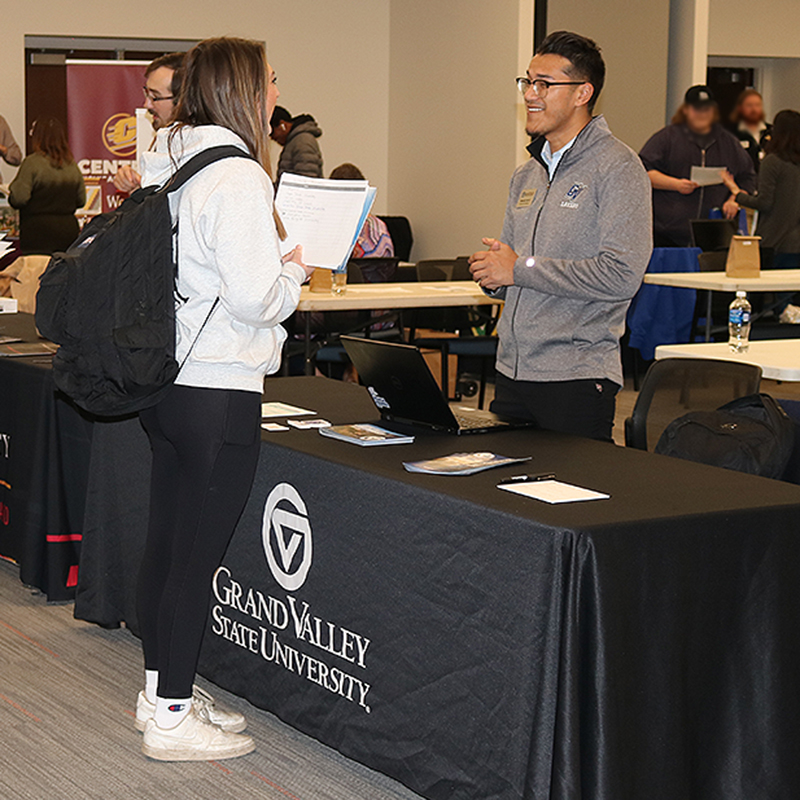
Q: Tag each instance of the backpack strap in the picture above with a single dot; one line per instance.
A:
(200, 162)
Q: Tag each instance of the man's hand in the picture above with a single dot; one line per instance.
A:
(685, 186)
(127, 179)
(730, 209)
(494, 267)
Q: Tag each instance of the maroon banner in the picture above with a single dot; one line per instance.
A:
(101, 111)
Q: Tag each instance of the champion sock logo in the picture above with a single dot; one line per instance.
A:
(176, 707)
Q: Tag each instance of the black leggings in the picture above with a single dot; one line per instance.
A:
(205, 446)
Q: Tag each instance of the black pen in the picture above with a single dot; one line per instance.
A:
(544, 476)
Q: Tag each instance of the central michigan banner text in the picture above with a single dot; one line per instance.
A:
(101, 109)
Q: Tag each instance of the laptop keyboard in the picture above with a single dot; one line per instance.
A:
(470, 423)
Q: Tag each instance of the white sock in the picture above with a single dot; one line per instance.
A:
(171, 711)
(150, 684)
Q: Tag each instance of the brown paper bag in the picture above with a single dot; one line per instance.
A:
(321, 281)
(744, 257)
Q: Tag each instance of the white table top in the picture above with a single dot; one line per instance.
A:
(396, 295)
(771, 280)
(779, 359)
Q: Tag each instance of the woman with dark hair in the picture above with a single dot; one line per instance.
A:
(778, 198)
(47, 190)
(233, 290)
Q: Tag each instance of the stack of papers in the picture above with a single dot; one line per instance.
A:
(323, 216)
(462, 463)
(365, 435)
(5, 246)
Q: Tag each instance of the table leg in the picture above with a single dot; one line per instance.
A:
(708, 316)
(309, 361)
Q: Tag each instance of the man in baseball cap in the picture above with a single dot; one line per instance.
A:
(694, 139)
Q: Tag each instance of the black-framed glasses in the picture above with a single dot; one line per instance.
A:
(541, 87)
(154, 98)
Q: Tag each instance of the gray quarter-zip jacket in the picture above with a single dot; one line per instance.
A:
(589, 231)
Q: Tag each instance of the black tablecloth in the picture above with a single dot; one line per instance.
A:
(476, 644)
(44, 461)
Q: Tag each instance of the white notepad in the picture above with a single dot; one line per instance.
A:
(553, 492)
(278, 409)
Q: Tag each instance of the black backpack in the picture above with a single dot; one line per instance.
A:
(752, 434)
(109, 301)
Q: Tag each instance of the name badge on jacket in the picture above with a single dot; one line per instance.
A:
(526, 198)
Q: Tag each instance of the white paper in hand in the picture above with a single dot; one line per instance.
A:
(323, 216)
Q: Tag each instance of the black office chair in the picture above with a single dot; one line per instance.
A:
(674, 386)
(402, 238)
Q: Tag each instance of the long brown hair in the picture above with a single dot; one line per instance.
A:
(679, 117)
(225, 83)
(784, 140)
(49, 138)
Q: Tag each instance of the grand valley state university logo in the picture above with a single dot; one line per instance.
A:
(286, 535)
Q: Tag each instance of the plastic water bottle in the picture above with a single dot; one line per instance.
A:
(739, 323)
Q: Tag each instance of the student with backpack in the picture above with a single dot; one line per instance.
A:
(233, 290)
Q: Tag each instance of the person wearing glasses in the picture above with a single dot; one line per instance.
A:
(162, 87)
(574, 248)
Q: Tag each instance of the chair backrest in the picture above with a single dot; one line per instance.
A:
(440, 269)
(20, 279)
(376, 270)
(713, 261)
(402, 238)
(674, 386)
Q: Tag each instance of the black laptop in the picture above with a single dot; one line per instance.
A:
(713, 234)
(404, 390)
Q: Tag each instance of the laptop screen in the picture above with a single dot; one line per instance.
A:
(400, 382)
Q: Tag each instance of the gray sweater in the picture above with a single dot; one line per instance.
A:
(301, 154)
(590, 231)
(778, 204)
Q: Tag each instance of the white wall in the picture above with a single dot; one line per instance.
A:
(453, 119)
(633, 35)
(746, 28)
(332, 59)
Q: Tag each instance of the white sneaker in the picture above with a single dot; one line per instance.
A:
(194, 739)
(205, 706)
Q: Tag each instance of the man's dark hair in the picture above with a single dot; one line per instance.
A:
(280, 114)
(173, 61)
(586, 62)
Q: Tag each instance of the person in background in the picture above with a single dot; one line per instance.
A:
(47, 190)
(575, 245)
(162, 88)
(301, 154)
(374, 240)
(9, 149)
(235, 290)
(778, 199)
(748, 124)
(694, 139)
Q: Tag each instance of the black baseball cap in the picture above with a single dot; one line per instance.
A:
(699, 96)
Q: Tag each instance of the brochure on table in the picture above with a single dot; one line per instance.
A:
(323, 216)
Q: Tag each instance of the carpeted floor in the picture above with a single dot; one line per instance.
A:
(67, 692)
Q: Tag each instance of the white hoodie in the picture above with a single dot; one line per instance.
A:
(227, 247)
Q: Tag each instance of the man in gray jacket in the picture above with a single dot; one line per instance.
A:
(298, 137)
(575, 245)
